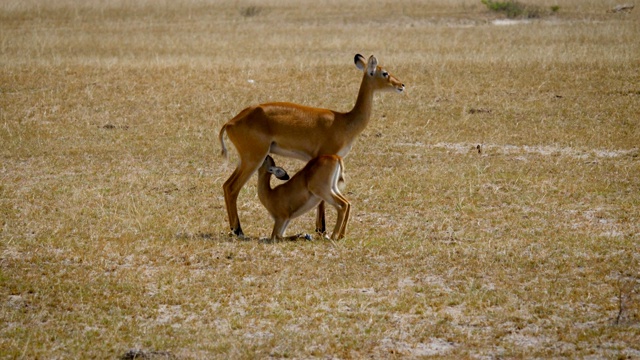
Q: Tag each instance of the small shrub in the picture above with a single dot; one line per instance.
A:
(250, 11)
(510, 8)
(513, 9)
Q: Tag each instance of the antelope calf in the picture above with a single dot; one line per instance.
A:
(316, 182)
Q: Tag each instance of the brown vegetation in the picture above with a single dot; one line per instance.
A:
(113, 234)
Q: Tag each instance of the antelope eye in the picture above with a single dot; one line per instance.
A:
(385, 74)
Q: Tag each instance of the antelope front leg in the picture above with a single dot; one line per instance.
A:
(321, 227)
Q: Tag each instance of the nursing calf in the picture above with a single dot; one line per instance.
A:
(316, 182)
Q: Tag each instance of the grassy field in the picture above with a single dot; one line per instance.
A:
(495, 206)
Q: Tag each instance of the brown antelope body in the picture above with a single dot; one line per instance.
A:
(298, 131)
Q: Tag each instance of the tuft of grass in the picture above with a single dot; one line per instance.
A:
(250, 11)
(628, 298)
(515, 9)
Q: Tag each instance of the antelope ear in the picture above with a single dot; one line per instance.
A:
(360, 61)
(372, 65)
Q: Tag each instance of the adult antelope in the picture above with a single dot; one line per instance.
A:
(298, 131)
(316, 182)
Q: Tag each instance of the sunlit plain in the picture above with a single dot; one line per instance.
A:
(495, 206)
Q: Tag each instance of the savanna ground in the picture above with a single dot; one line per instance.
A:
(113, 234)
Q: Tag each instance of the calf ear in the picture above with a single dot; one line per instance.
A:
(360, 62)
(279, 172)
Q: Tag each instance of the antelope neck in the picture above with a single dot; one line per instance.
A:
(361, 111)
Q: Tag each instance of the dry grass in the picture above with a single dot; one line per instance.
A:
(113, 234)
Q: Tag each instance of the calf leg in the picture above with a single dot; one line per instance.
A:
(279, 228)
(343, 207)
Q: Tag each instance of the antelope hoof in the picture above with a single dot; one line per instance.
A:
(238, 233)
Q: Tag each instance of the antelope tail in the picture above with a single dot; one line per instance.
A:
(221, 138)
